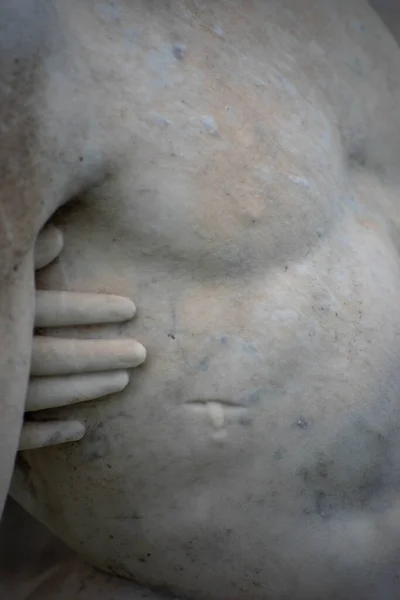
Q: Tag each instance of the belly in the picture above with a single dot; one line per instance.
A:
(266, 412)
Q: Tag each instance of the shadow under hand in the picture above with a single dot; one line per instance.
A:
(28, 551)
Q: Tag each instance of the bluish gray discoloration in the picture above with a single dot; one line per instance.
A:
(250, 349)
(204, 363)
(321, 503)
(160, 120)
(109, 11)
(96, 444)
(254, 396)
(178, 50)
(131, 35)
(209, 124)
(218, 30)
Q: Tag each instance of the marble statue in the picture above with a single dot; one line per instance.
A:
(65, 371)
(233, 168)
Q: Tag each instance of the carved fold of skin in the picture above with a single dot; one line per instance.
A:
(217, 410)
(38, 434)
(51, 392)
(61, 309)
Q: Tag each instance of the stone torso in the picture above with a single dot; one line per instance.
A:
(239, 156)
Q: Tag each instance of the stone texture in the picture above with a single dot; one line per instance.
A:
(235, 171)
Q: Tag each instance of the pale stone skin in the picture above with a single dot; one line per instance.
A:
(30, 191)
(62, 371)
(246, 157)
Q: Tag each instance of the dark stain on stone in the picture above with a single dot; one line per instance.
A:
(302, 423)
(204, 364)
(357, 154)
(253, 397)
(178, 50)
(322, 469)
(321, 503)
(279, 453)
(96, 444)
(304, 474)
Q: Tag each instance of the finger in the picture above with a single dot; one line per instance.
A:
(59, 356)
(48, 246)
(51, 392)
(61, 309)
(38, 434)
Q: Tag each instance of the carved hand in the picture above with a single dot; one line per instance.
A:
(67, 371)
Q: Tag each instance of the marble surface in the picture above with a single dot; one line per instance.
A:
(248, 205)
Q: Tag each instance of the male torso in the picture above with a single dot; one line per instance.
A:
(240, 202)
